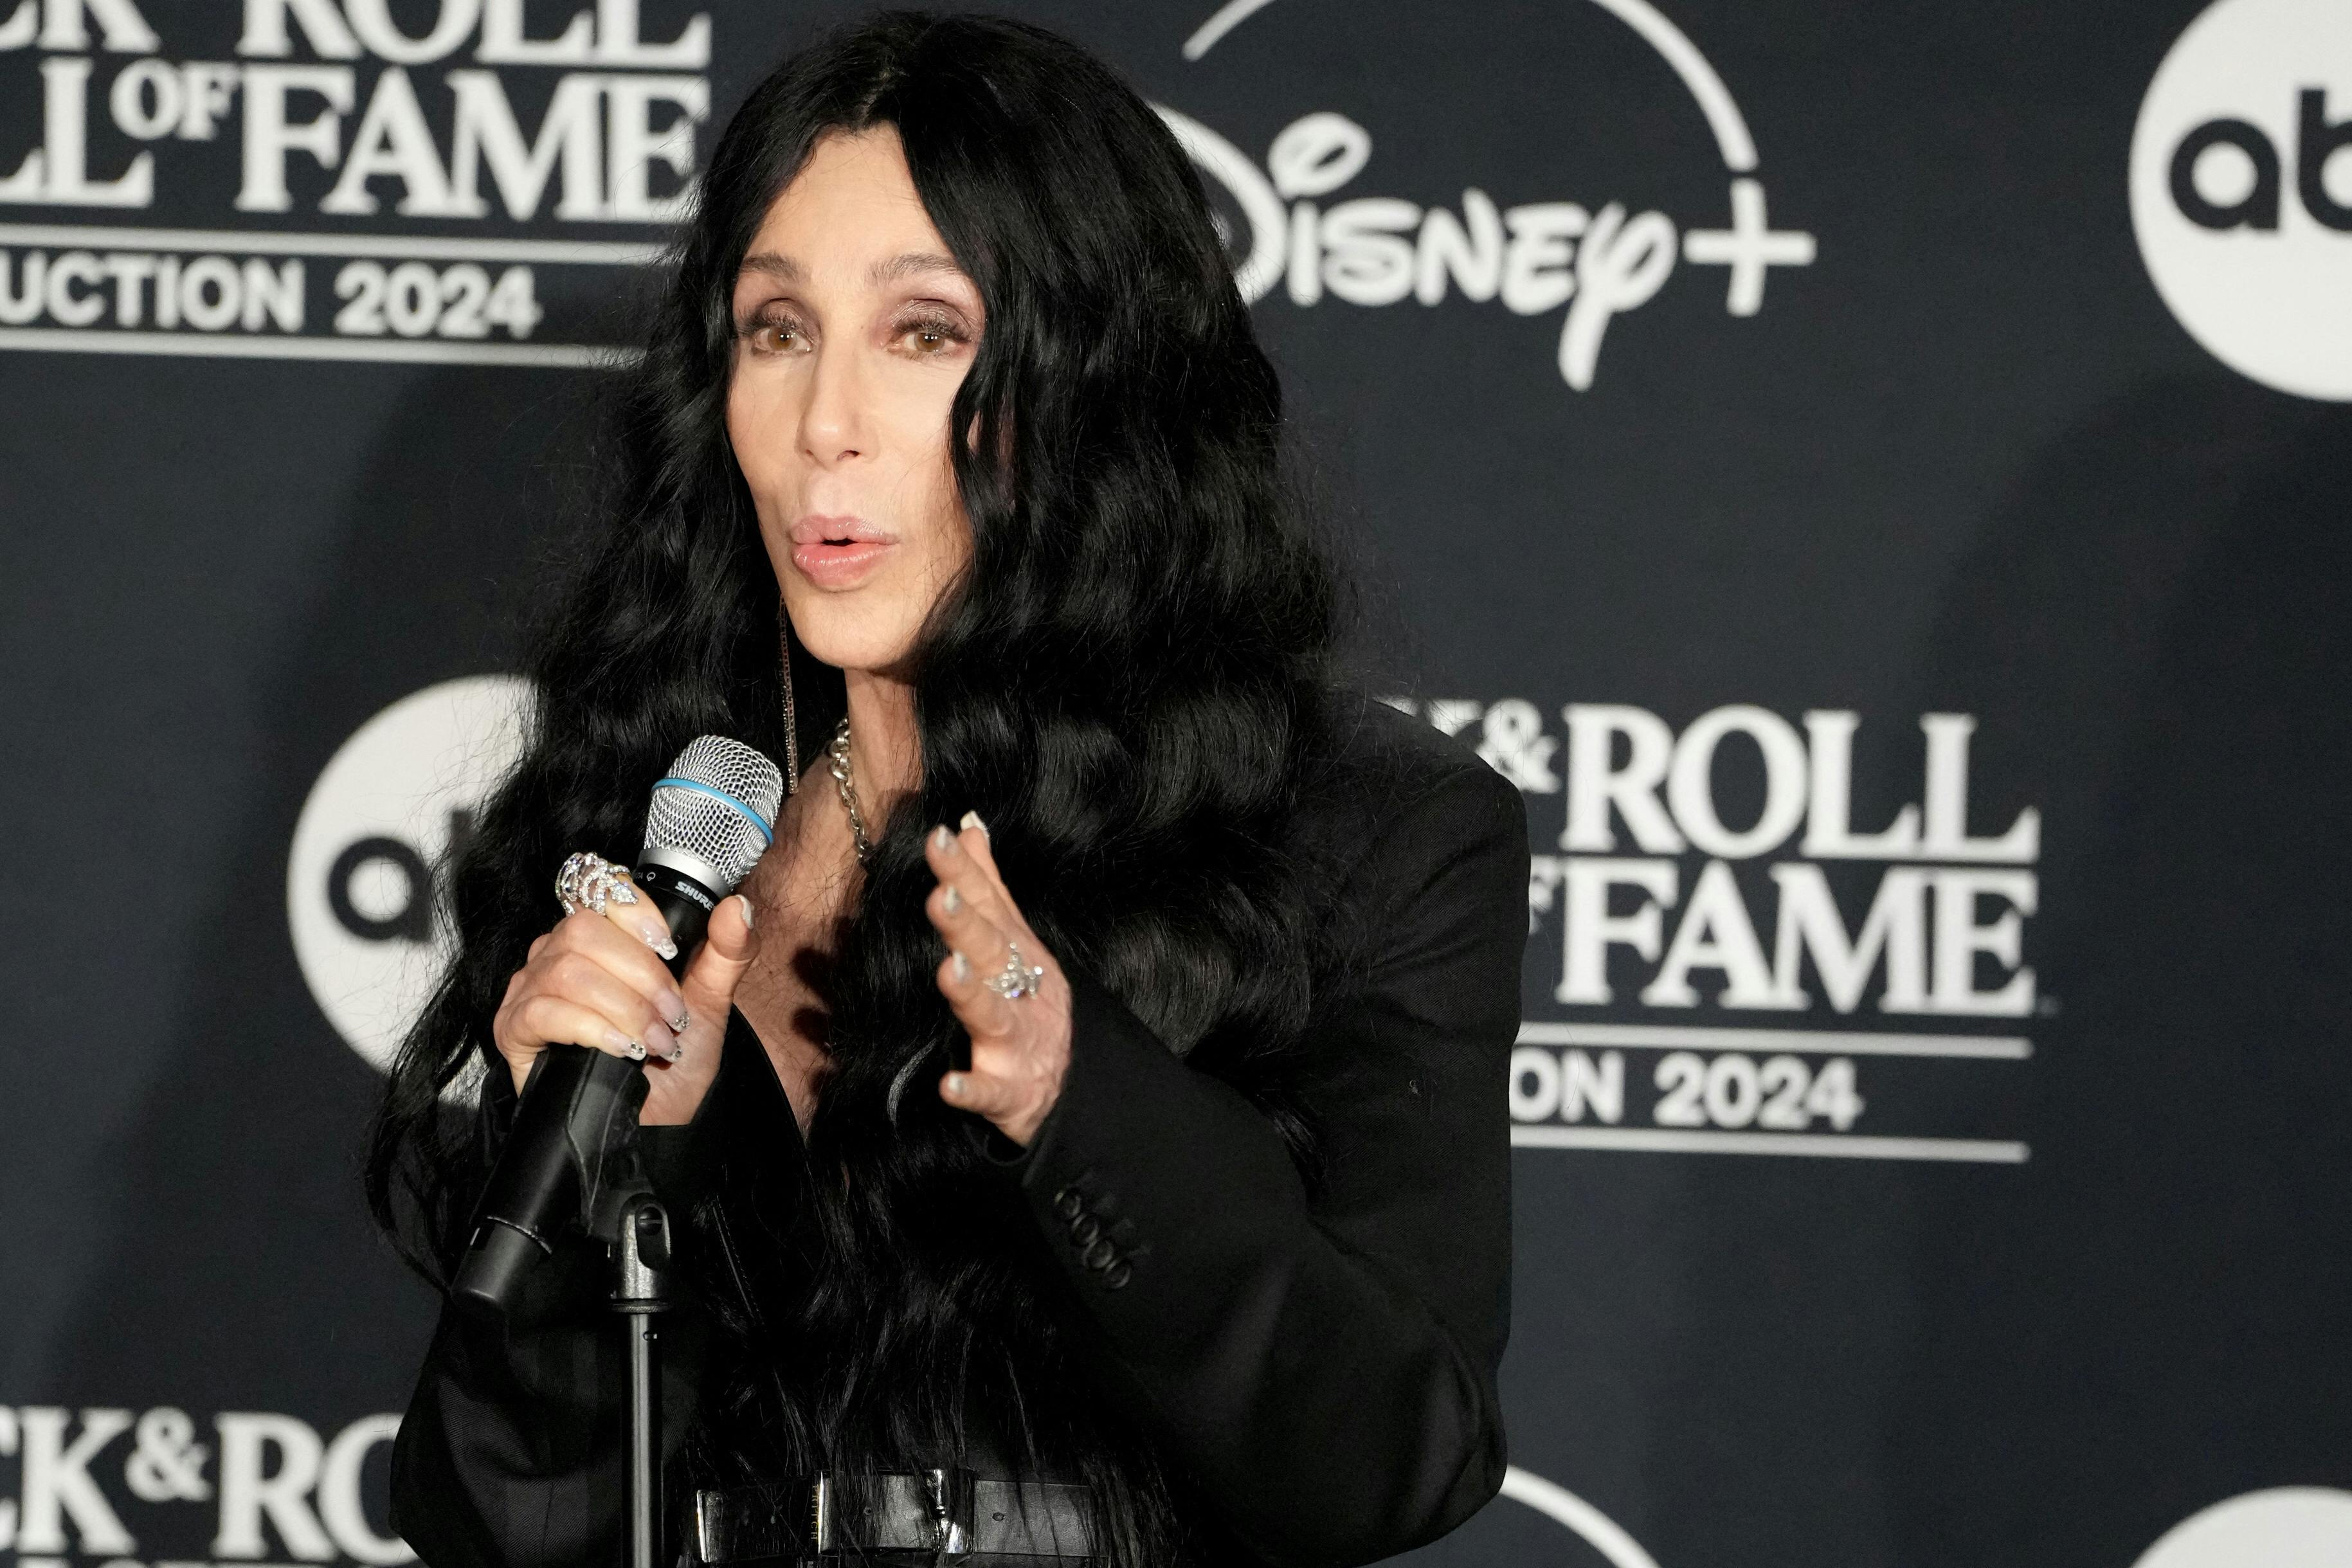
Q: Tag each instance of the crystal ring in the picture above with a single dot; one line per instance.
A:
(1016, 979)
(589, 881)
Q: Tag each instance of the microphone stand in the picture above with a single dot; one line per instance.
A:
(640, 1236)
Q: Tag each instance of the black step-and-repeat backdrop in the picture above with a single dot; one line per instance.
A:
(1878, 476)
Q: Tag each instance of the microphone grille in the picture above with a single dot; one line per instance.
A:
(719, 804)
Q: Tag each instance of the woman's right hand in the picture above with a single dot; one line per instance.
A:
(598, 980)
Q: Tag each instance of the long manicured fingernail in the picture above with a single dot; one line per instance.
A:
(953, 901)
(659, 940)
(953, 1084)
(661, 1043)
(971, 820)
(941, 838)
(962, 967)
(748, 921)
(624, 1045)
(673, 1006)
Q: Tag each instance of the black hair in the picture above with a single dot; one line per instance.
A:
(1127, 682)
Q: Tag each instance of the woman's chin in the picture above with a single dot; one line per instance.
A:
(837, 635)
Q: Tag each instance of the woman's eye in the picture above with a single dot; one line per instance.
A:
(773, 335)
(930, 335)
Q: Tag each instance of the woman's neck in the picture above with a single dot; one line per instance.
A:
(886, 754)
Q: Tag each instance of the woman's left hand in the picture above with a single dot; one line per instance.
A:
(1020, 1048)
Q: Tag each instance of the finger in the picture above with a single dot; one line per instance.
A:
(579, 979)
(986, 1015)
(627, 908)
(966, 929)
(982, 1093)
(972, 837)
(591, 936)
(728, 948)
(956, 868)
(552, 1019)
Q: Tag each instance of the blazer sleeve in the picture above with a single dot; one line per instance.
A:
(514, 1449)
(1321, 1361)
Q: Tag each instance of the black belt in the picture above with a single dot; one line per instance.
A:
(929, 1517)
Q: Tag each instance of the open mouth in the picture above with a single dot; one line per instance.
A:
(837, 552)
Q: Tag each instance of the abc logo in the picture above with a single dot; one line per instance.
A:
(2241, 190)
(369, 929)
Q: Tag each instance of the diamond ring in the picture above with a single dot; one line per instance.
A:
(589, 881)
(1016, 979)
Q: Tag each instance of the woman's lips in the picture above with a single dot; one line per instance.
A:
(839, 563)
(837, 552)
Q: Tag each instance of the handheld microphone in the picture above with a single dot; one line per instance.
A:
(709, 820)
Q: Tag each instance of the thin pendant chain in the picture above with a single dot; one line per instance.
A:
(839, 753)
(792, 719)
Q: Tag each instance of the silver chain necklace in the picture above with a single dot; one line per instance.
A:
(839, 753)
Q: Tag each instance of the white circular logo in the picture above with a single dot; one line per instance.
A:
(2241, 190)
(369, 930)
(2286, 1526)
(1556, 1503)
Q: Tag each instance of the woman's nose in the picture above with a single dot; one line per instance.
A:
(834, 425)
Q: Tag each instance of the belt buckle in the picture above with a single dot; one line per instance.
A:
(950, 1492)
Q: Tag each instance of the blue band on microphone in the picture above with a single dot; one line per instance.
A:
(750, 816)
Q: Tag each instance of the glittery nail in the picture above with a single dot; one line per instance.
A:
(954, 1085)
(962, 967)
(952, 902)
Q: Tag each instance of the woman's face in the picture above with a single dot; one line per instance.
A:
(854, 327)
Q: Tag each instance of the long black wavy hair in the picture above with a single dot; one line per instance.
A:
(1127, 682)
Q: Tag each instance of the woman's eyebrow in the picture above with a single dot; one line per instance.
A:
(913, 263)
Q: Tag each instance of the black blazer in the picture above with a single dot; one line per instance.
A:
(1319, 1364)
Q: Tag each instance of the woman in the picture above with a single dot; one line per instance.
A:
(1136, 1146)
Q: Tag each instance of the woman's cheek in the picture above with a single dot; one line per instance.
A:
(755, 455)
